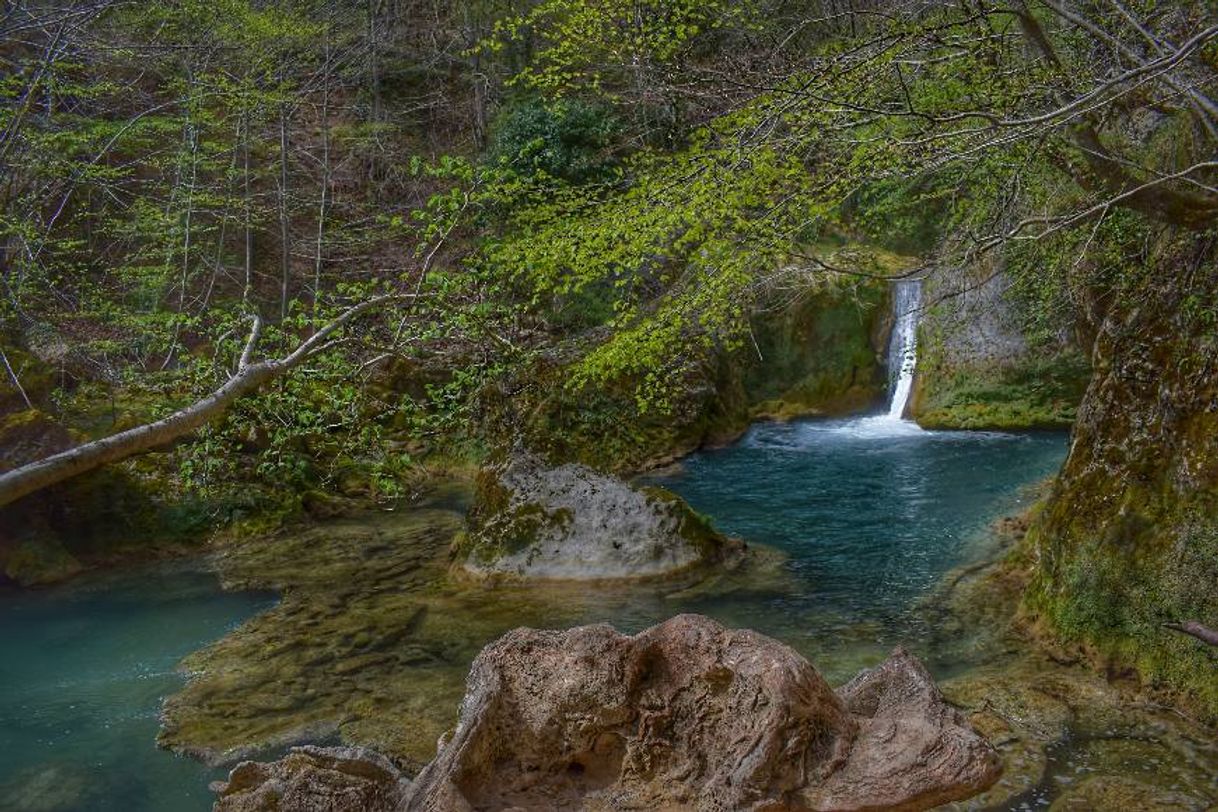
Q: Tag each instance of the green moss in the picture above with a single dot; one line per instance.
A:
(819, 355)
(694, 527)
(40, 561)
(1129, 538)
(1108, 579)
(497, 527)
(341, 652)
(1034, 391)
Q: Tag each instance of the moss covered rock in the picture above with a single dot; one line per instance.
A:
(819, 355)
(978, 368)
(39, 561)
(1129, 538)
(1031, 392)
(533, 521)
(816, 353)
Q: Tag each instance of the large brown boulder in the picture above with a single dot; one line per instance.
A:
(690, 715)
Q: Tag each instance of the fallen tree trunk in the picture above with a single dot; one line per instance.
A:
(249, 377)
(1195, 629)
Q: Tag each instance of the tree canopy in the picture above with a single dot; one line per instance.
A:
(622, 180)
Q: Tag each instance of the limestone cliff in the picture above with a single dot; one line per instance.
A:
(977, 366)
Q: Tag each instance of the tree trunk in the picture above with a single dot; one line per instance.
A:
(1195, 629)
(284, 236)
(245, 211)
(59, 467)
(319, 248)
(250, 376)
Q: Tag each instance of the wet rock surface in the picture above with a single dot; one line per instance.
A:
(1068, 737)
(372, 639)
(569, 522)
(340, 653)
(314, 779)
(690, 715)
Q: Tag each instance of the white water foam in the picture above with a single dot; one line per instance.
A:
(902, 362)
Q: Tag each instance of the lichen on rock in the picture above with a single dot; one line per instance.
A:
(569, 522)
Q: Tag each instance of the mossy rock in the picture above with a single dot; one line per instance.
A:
(1031, 392)
(341, 652)
(1129, 538)
(39, 561)
(569, 522)
(1117, 792)
(821, 354)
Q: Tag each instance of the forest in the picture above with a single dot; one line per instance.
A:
(359, 354)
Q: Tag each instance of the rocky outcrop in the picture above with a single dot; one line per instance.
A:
(1128, 540)
(314, 779)
(570, 522)
(977, 367)
(690, 715)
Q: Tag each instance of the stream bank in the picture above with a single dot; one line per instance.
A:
(372, 640)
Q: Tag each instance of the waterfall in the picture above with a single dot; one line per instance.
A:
(903, 346)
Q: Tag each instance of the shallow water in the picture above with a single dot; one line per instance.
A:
(83, 669)
(859, 520)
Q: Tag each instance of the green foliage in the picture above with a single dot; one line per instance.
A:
(900, 214)
(567, 139)
(593, 44)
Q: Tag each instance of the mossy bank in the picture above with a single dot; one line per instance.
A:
(979, 364)
(1128, 540)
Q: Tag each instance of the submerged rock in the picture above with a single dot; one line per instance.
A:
(314, 779)
(690, 715)
(571, 522)
(339, 654)
(52, 787)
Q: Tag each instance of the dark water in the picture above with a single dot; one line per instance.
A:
(872, 513)
(83, 669)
